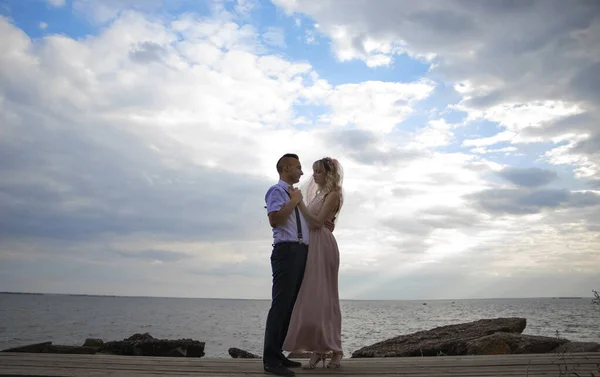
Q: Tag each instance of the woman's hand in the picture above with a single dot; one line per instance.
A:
(331, 202)
(329, 225)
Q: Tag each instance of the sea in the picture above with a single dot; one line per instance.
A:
(225, 323)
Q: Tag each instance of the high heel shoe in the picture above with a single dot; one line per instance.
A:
(315, 359)
(336, 358)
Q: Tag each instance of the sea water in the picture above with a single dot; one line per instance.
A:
(224, 323)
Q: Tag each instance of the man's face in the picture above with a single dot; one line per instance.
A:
(295, 170)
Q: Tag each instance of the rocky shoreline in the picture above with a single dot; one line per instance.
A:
(483, 337)
(136, 345)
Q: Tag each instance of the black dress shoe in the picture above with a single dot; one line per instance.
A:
(278, 370)
(291, 364)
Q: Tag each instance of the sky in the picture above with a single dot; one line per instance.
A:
(138, 139)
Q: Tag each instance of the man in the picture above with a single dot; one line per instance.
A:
(288, 259)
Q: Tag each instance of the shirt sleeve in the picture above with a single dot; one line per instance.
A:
(275, 198)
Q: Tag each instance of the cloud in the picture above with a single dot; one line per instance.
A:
(310, 37)
(437, 133)
(102, 158)
(427, 221)
(508, 63)
(141, 153)
(519, 119)
(274, 37)
(373, 105)
(56, 3)
(102, 12)
(483, 150)
(118, 156)
(151, 146)
(586, 82)
(105, 11)
(530, 177)
(43, 25)
(520, 201)
(157, 255)
(370, 148)
(354, 139)
(147, 52)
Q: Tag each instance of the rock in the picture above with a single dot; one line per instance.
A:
(93, 343)
(75, 350)
(507, 343)
(135, 345)
(48, 347)
(237, 353)
(446, 340)
(140, 337)
(117, 347)
(146, 345)
(491, 346)
(573, 347)
(31, 348)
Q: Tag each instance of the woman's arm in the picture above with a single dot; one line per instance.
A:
(331, 202)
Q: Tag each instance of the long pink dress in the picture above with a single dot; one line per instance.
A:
(316, 322)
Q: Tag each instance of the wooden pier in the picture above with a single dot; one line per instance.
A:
(39, 364)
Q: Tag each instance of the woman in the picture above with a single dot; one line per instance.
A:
(316, 322)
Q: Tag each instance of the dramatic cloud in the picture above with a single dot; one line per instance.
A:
(137, 153)
(524, 64)
(137, 141)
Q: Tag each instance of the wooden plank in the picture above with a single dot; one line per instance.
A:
(374, 367)
(500, 359)
(80, 373)
(524, 358)
(391, 359)
(22, 364)
(338, 372)
(235, 366)
(461, 357)
(344, 370)
(373, 364)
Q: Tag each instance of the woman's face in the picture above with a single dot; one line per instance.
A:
(319, 174)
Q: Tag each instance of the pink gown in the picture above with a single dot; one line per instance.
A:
(316, 322)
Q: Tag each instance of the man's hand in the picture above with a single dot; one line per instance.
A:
(295, 195)
(329, 225)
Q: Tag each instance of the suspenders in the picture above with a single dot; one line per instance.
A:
(297, 221)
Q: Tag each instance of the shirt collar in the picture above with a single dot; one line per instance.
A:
(283, 184)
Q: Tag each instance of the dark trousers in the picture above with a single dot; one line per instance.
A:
(288, 261)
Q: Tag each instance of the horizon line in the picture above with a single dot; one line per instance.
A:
(268, 299)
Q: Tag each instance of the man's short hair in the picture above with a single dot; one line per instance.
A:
(283, 161)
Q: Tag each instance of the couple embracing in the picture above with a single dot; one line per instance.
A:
(305, 309)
